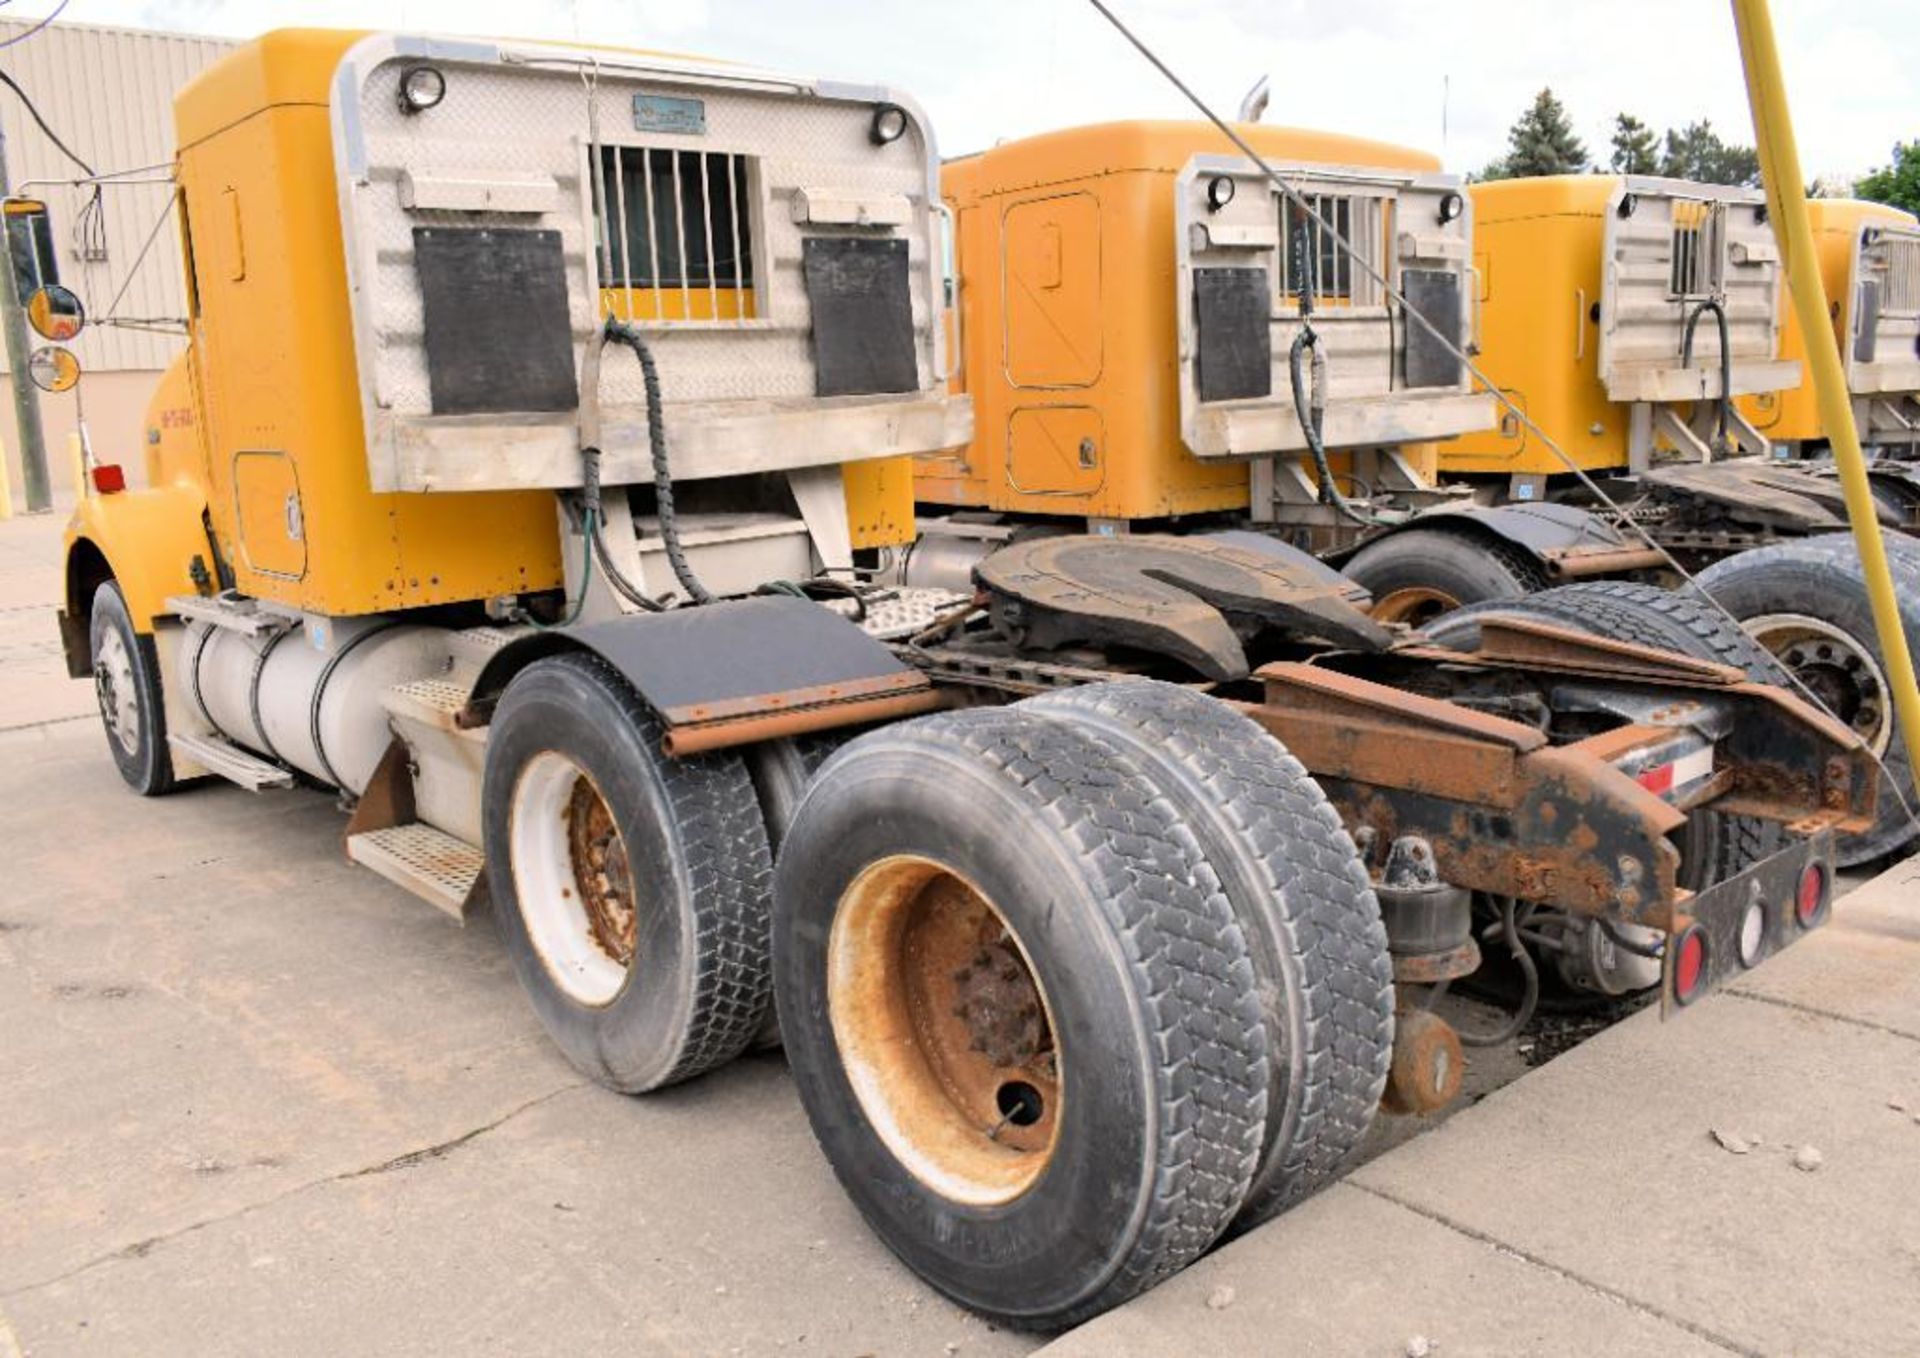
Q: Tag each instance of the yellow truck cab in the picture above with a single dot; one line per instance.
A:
(1128, 297)
(1591, 319)
(1870, 264)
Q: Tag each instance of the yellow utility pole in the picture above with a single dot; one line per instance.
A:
(1787, 203)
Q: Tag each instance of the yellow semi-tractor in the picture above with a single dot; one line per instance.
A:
(1642, 326)
(1129, 300)
(528, 483)
(1870, 263)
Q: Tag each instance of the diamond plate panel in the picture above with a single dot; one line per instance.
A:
(512, 117)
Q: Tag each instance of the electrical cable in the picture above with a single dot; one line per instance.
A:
(1721, 444)
(33, 112)
(1529, 971)
(1451, 344)
(18, 38)
(89, 225)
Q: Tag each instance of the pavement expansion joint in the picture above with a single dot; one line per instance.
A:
(1548, 1266)
(1813, 1010)
(140, 1249)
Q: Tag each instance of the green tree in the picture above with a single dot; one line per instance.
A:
(1541, 142)
(1635, 149)
(1696, 152)
(1898, 183)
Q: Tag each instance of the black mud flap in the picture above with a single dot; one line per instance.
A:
(498, 337)
(1233, 312)
(731, 673)
(1435, 295)
(861, 297)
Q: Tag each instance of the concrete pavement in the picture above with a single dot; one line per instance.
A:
(1588, 1207)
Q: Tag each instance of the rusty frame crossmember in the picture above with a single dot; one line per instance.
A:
(1507, 812)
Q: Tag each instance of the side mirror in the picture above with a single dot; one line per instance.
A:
(55, 313)
(36, 265)
(53, 368)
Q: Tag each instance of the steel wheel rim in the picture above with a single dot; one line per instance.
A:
(921, 969)
(1840, 671)
(114, 687)
(1416, 605)
(572, 879)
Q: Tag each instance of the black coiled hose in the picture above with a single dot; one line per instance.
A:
(662, 473)
(1311, 405)
(1722, 443)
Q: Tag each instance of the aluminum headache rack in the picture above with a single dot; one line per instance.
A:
(1882, 353)
(777, 248)
(1239, 243)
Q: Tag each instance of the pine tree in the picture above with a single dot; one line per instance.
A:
(1541, 142)
(1897, 183)
(1635, 149)
(1696, 152)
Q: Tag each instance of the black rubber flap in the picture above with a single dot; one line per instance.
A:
(862, 315)
(1233, 309)
(740, 656)
(1866, 321)
(498, 337)
(1434, 294)
(1187, 598)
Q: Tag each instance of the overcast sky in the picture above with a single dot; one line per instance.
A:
(992, 69)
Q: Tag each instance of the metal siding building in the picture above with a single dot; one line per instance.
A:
(108, 93)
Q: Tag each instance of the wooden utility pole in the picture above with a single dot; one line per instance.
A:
(26, 399)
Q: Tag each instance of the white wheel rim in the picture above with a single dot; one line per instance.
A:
(113, 685)
(549, 880)
(1804, 644)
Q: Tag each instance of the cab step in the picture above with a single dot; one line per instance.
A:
(231, 762)
(433, 865)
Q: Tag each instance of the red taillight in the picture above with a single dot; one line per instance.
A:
(1689, 964)
(1811, 901)
(109, 479)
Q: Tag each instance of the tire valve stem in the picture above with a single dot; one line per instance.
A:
(993, 1132)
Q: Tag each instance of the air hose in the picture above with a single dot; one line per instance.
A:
(1311, 404)
(1722, 444)
(662, 474)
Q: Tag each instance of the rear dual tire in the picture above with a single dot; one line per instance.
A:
(1123, 915)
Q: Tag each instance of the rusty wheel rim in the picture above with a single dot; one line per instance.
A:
(944, 1031)
(1416, 605)
(572, 878)
(1842, 673)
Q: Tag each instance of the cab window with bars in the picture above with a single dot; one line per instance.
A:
(676, 234)
(1698, 265)
(1338, 279)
